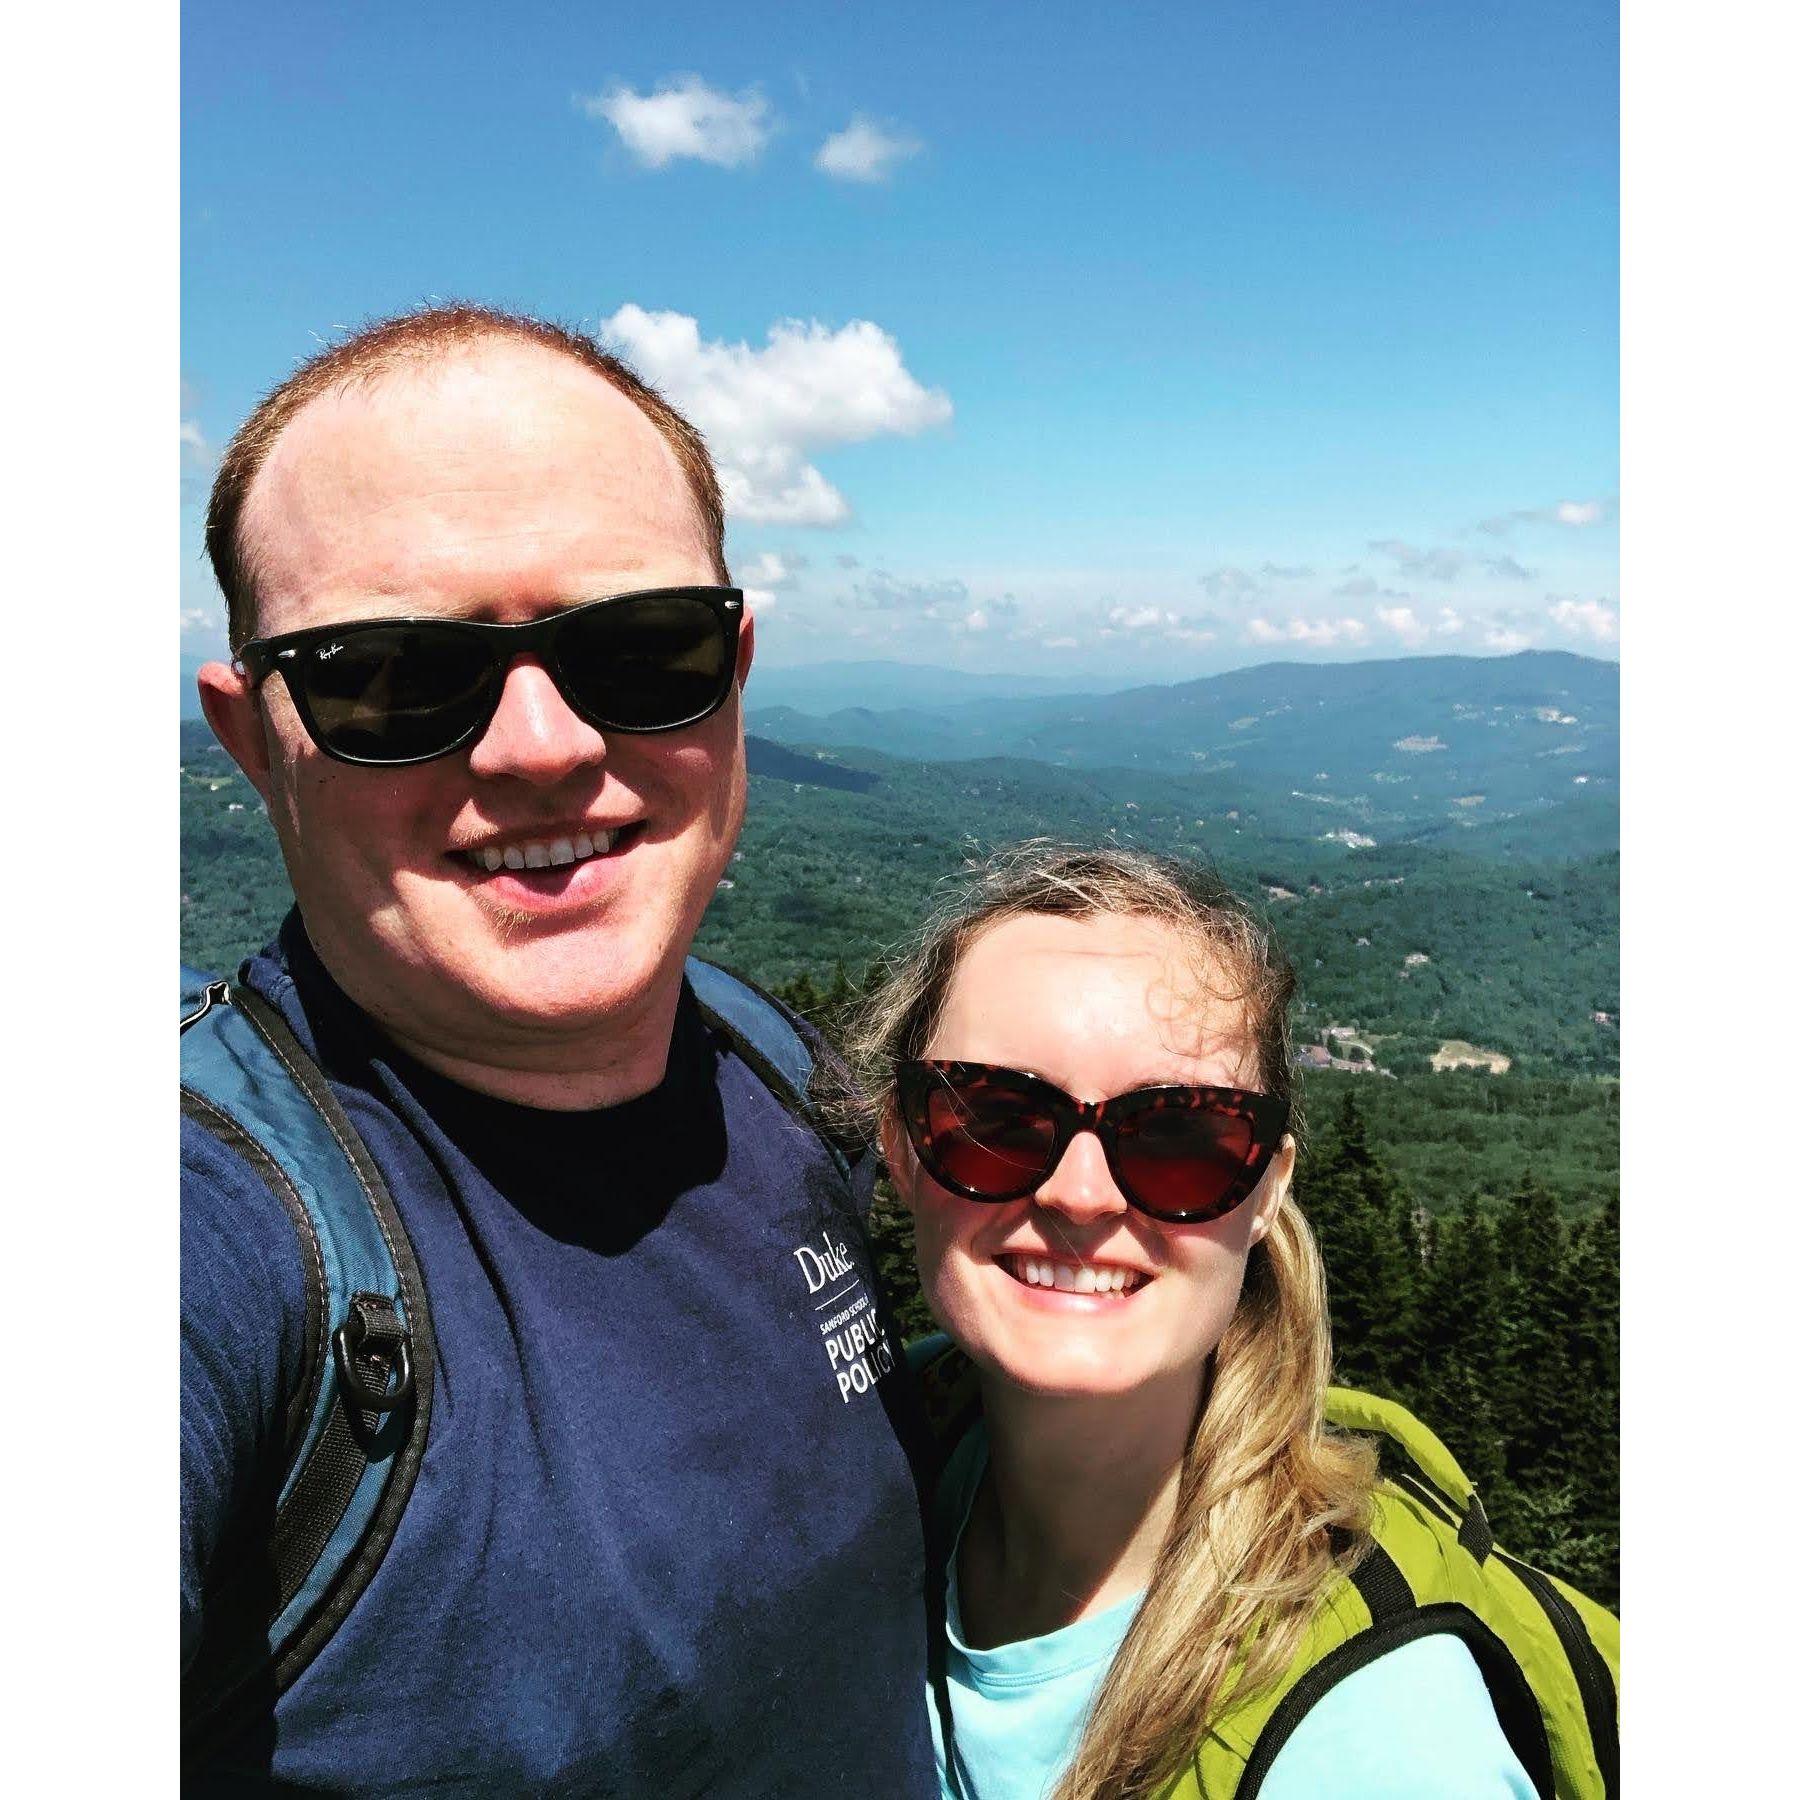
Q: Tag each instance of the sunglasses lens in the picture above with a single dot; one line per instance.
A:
(1179, 1159)
(645, 664)
(394, 693)
(987, 1139)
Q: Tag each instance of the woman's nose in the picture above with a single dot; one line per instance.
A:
(533, 735)
(1081, 1186)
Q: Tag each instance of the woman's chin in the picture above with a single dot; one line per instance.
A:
(1052, 1368)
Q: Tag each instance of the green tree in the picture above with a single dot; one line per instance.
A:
(1370, 1246)
(802, 995)
(1540, 1409)
(1459, 1336)
(1593, 1348)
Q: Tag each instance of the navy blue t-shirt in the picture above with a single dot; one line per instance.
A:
(660, 1543)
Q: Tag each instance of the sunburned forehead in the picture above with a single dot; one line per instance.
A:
(1098, 1004)
(493, 473)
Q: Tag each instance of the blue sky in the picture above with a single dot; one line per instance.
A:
(1147, 340)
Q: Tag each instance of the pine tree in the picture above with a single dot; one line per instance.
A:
(836, 1002)
(1592, 1332)
(1367, 1238)
(803, 996)
(1459, 1335)
(1539, 1407)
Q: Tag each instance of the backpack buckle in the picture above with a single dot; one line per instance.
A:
(371, 1348)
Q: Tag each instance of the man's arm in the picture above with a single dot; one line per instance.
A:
(243, 1332)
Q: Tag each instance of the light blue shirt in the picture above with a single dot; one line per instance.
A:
(1414, 1724)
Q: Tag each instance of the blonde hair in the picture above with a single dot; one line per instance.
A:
(1271, 1508)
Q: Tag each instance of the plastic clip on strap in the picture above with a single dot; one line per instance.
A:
(371, 1349)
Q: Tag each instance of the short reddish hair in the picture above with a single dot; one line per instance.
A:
(417, 337)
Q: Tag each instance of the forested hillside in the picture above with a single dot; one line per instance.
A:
(1411, 946)
(1469, 1217)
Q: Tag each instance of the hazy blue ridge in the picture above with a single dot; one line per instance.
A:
(1479, 734)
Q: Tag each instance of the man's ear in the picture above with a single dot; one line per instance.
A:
(1272, 1190)
(231, 710)
(746, 648)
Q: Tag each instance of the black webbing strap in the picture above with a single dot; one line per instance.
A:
(1475, 1534)
(320, 1495)
(1385, 1591)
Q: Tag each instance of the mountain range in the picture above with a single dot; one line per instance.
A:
(1414, 747)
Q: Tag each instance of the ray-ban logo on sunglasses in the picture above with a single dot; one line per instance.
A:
(329, 651)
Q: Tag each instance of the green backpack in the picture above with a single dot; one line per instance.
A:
(1549, 1655)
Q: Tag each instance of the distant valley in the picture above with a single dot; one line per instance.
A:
(1420, 918)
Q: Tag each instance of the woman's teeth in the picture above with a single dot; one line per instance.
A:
(544, 853)
(1073, 1278)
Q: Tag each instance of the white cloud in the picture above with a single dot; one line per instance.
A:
(1575, 513)
(1060, 643)
(1138, 618)
(1404, 623)
(767, 569)
(1504, 638)
(759, 600)
(976, 620)
(684, 118)
(1411, 630)
(1318, 632)
(1157, 622)
(197, 451)
(864, 151)
(763, 410)
(200, 621)
(1587, 618)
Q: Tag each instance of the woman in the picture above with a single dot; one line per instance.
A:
(1083, 1082)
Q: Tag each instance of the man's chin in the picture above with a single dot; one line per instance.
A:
(556, 988)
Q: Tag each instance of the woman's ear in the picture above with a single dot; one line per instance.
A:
(1272, 1190)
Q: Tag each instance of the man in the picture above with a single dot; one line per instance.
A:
(654, 1546)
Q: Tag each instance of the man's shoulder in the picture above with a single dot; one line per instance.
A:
(793, 1061)
(235, 1228)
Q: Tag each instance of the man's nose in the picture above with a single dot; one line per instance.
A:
(1081, 1186)
(533, 735)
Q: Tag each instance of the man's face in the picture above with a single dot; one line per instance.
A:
(501, 483)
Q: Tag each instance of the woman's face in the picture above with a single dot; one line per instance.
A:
(1097, 1006)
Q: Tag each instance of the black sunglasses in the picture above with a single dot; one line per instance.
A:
(1181, 1154)
(385, 692)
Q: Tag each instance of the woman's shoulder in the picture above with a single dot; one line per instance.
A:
(1415, 1723)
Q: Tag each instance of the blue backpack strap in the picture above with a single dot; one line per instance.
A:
(764, 1033)
(357, 1428)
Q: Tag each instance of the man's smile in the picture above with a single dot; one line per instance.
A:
(546, 850)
